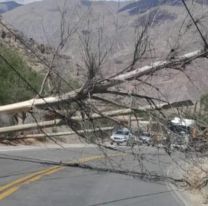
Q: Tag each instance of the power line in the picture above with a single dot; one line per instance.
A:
(20, 76)
(34, 53)
(195, 23)
(32, 88)
(66, 118)
(150, 176)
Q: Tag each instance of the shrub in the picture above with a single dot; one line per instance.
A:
(204, 102)
(12, 87)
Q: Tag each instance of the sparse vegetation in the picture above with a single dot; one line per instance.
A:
(204, 102)
(12, 88)
(204, 109)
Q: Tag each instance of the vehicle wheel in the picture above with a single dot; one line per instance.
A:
(118, 143)
(111, 143)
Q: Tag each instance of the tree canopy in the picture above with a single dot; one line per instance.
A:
(12, 87)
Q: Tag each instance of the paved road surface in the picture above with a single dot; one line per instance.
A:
(68, 186)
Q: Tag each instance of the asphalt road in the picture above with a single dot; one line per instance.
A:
(25, 179)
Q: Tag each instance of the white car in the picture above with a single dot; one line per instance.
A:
(121, 135)
(145, 138)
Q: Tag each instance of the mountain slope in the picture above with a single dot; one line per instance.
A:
(144, 5)
(36, 56)
(7, 6)
(169, 28)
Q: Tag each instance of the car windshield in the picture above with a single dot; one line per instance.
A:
(120, 132)
(145, 134)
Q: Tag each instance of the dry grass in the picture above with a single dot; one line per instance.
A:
(197, 176)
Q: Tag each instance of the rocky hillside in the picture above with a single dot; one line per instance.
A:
(37, 56)
(119, 22)
(27, 48)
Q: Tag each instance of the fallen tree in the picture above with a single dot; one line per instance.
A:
(100, 87)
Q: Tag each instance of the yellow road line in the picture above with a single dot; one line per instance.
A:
(23, 179)
(36, 178)
(12, 187)
(8, 192)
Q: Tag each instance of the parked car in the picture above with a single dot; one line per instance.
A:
(121, 135)
(145, 138)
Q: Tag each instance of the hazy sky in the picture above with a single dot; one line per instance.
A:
(30, 1)
(21, 1)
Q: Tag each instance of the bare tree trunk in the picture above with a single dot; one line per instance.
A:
(58, 134)
(146, 70)
(30, 126)
(56, 122)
